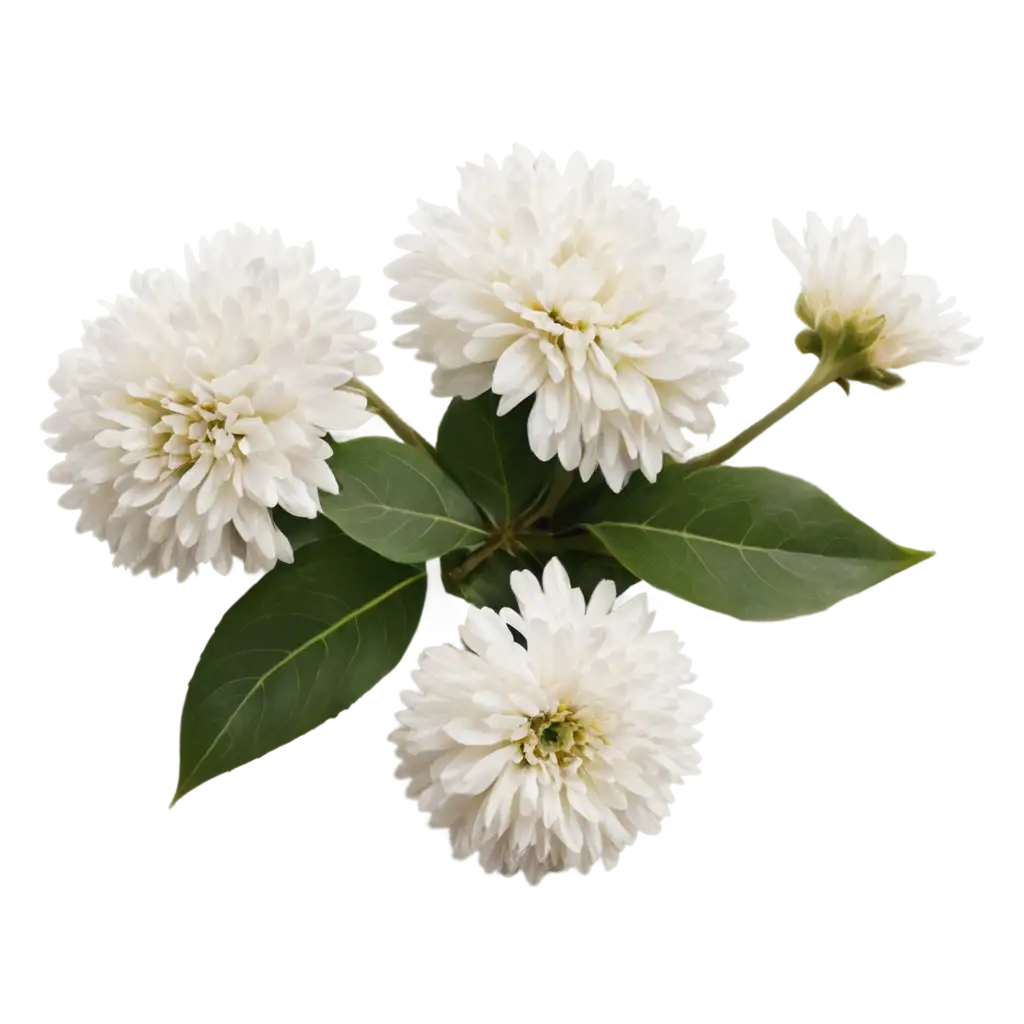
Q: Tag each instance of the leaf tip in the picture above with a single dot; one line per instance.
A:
(914, 556)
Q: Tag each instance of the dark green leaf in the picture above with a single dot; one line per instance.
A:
(486, 586)
(397, 501)
(752, 543)
(300, 531)
(490, 456)
(581, 496)
(304, 643)
(588, 568)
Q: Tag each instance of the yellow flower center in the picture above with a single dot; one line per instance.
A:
(559, 736)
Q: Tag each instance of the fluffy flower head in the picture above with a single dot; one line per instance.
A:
(199, 403)
(851, 280)
(583, 295)
(556, 753)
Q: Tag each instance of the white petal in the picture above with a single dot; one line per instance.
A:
(473, 732)
(602, 598)
(259, 476)
(294, 497)
(265, 534)
(519, 367)
(335, 410)
(470, 773)
(541, 434)
(482, 629)
(197, 474)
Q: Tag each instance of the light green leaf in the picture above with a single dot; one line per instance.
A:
(397, 501)
(490, 456)
(303, 644)
(751, 543)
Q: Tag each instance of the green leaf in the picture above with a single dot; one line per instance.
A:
(588, 568)
(303, 644)
(581, 496)
(490, 456)
(300, 531)
(584, 558)
(397, 501)
(486, 586)
(751, 543)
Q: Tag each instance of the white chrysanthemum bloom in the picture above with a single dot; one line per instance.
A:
(582, 294)
(199, 403)
(556, 753)
(849, 279)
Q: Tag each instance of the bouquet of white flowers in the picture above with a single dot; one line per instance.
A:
(581, 338)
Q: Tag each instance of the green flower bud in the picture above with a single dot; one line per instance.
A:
(809, 343)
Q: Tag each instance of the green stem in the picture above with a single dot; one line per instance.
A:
(376, 405)
(508, 535)
(823, 375)
(478, 557)
(560, 484)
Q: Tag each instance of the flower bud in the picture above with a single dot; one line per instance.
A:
(809, 343)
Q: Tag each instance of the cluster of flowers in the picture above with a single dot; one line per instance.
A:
(199, 404)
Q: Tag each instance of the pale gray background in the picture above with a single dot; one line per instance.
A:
(852, 851)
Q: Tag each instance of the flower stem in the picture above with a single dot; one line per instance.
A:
(376, 405)
(557, 489)
(477, 558)
(823, 375)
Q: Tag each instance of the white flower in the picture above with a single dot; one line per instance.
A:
(850, 279)
(554, 754)
(198, 404)
(583, 293)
